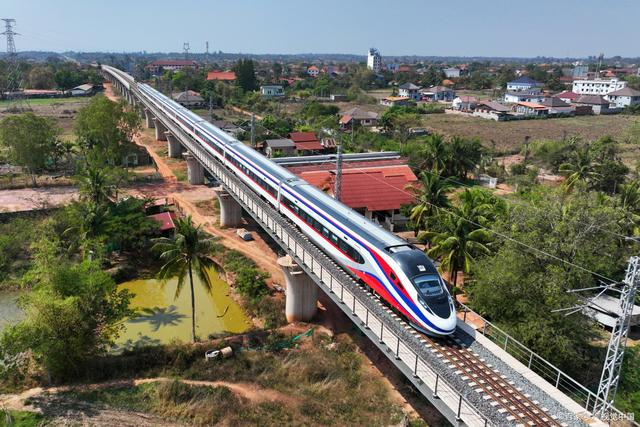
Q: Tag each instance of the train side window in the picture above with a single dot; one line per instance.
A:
(393, 276)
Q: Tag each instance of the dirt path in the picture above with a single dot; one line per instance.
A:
(50, 402)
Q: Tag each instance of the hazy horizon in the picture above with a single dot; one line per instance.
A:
(565, 29)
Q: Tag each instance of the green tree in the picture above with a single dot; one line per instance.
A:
(74, 314)
(41, 77)
(29, 139)
(187, 251)
(464, 156)
(105, 130)
(246, 75)
(459, 236)
(430, 195)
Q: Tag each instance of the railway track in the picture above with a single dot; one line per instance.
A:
(517, 406)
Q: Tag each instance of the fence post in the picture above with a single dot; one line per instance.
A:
(398, 348)
(558, 381)
(381, 331)
(435, 388)
(415, 367)
(459, 408)
(506, 341)
(530, 359)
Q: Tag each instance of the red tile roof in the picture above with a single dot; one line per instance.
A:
(303, 136)
(165, 219)
(309, 146)
(221, 75)
(375, 188)
(568, 95)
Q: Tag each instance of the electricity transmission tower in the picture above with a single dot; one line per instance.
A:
(14, 76)
(617, 344)
(185, 48)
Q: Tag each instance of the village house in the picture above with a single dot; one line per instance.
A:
(531, 109)
(524, 96)
(491, 110)
(392, 101)
(625, 97)
(313, 71)
(452, 73)
(557, 106)
(221, 76)
(272, 91)
(306, 143)
(82, 90)
(598, 104)
(189, 99)
(279, 147)
(358, 117)
(437, 93)
(568, 97)
(409, 90)
(524, 84)
(464, 103)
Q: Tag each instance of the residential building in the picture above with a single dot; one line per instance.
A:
(393, 67)
(171, 65)
(392, 101)
(374, 188)
(557, 106)
(598, 104)
(313, 71)
(358, 117)
(189, 99)
(409, 90)
(524, 96)
(82, 90)
(437, 93)
(491, 110)
(338, 97)
(624, 97)
(598, 86)
(452, 73)
(531, 109)
(279, 147)
(306, 142)
(524, 84)
(374, 60)
(464, 103)
(227, 127)
(221, 76)
(568, 96)
(272, 91)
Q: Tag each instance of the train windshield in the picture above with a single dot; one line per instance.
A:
(428, 285)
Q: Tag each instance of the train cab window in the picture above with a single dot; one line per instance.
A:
(399, 248)
(429, 285)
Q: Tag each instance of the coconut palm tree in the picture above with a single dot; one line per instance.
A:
(581, 167)
(96, 185)
(187, 252)
(460, 236)
(436, 153)
(430, 195)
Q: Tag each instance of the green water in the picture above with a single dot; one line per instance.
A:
(10, 314)
(162, 318)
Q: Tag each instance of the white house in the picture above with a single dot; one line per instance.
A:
(313, 71)
(452, 73)
(568, 96)
(82, 90)
(597, 86)
(524, 84)
(491, 110)
(624, 97)
(464, 103)
(531, 109)
(374, 60)
(437, 93)
(272, 91)
(515, 97)
(409, 90)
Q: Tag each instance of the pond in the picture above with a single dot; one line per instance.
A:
(10, 314)
(162, 318)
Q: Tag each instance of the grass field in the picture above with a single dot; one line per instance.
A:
(509, 136)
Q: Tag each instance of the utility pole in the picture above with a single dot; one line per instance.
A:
(211, 107)
(253, 130)
(14, 76)
(206, 57)
(618, 341)
(338, 189)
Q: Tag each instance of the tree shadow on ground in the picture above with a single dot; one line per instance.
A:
(158, 317)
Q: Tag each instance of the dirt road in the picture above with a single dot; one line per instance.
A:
(36, 198)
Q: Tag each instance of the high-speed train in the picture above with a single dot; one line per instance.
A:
(399, 273)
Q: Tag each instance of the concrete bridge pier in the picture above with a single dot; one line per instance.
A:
(173, 145)
(195, 171)
(160, 130)
(149, 119)
(230, 210)
(301, 293)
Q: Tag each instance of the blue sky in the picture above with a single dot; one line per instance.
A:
(400, 27)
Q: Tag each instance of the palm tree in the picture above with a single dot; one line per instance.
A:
(436, 153)
(460, 235)
(186, 252)
(95, 185)
(430, 195)
(581, 167)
